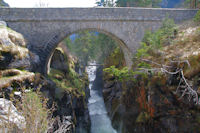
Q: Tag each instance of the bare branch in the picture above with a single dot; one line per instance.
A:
(155, 63)
(185, 87)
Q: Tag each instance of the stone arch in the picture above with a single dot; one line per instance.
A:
(53, 43)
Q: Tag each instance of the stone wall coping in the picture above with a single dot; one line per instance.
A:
(92, 14)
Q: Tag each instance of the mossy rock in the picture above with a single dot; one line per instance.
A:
(57, 74)
(116, 58)
(10, 76)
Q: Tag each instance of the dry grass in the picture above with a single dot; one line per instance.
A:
(184, 47)
(35, 112)
(33, 108)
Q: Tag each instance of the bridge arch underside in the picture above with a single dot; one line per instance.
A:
(47, 35)
(44, 36)
(62, 35)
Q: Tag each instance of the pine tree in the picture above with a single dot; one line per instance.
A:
(105, 3)
(138, 3)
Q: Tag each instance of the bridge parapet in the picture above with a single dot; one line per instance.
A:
(92, 14)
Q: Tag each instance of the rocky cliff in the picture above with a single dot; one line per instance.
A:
(163, 96)
(58, 102)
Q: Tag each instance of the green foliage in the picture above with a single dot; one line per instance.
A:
(105, 3)
(168, 28)
(143, 50)
(197, 17)
(89, 46)
(76, 81)
(116, 58)
(120, 75)
(192, 3)
(143, 65)
(123, 74)
(156, 40)
(69, 83)
(138, 3)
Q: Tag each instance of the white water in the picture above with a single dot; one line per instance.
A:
(100, 122)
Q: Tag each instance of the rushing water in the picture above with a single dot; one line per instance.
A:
(100, 122)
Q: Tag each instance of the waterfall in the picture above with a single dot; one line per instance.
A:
(100, 122)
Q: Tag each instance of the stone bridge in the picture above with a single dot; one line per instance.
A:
(44, 28)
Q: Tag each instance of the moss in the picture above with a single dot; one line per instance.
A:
(13, 75)
(55, 73)
(116, 59)
(142, 117)
(197, 17)
(67, 81)
(17, 52)
(70, 83)
(60, 49)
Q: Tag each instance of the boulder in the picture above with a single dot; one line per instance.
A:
(14, 53)
(9, 114)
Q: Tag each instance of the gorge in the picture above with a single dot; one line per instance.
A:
(100, 122)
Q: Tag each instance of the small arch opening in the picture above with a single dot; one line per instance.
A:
(106, 43)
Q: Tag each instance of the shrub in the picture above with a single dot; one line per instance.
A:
(143, 50)
(35, 112)
(158, 39)
(197, 17)
(124, 74)
(119, 75)
(33, 108)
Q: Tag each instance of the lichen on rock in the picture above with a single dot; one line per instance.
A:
(10, 115)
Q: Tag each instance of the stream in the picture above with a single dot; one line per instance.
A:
(100, 122)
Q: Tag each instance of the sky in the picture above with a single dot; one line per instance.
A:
(51, 3)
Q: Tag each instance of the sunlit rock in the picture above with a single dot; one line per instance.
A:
(9, 114)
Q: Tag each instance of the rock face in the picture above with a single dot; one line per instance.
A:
(58, 61)
(157, 102)
(65, 90)
(9, 114)
(15, 60)
(14, 53)
(70, 92)
(133, 113)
